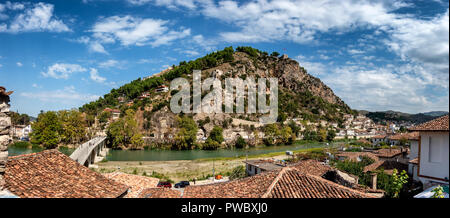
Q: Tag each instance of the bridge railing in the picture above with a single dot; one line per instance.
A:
(82, 153)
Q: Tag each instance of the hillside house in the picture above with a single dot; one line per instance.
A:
(433, 152)
(162, 88)
(144, 95)
(115, 113)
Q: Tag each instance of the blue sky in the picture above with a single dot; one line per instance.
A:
(375, 55)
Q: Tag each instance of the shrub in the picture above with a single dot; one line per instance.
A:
(238, 172)
(240, 142)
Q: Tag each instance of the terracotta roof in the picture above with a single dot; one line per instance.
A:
(438, 124)
(408, 136)
(160, 193)
(354, 155)
(136, 183)
(312, 167)
(282, 183)
(388, 153)
(51, 174)
(379, 137)
(112, 110)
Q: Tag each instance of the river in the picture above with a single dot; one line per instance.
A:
(166, 155)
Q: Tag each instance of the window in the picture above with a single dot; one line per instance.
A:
(434, 151)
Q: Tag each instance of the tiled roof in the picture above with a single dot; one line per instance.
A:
(379, 137)
(160, 193)
(282, 183)
(354, 155)
(294, 184)
(51, 174)
(438, 124)
(409, 136)
(388, 153)
(136, 183)
(312, 167)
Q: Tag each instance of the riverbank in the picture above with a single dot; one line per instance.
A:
(178, 170)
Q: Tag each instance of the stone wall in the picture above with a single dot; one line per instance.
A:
(5, 138)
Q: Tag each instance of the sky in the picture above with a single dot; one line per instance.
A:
(375, 55)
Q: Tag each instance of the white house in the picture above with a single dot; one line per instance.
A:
(433, 152)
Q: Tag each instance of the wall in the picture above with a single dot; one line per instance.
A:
(434, 162)
(5, 138)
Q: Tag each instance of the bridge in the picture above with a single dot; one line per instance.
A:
(86, 153)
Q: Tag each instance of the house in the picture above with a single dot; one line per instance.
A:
(121, 99)
(433, 152)
(115, 113)
(144, 95)
(378, 139)
(162, 88)
(254, 167)
(52, 174)
(287, 182)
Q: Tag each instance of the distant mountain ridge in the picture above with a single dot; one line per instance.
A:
(390, 115)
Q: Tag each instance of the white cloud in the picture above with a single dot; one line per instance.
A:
(19, 64)
(95, 76)
(37, 17)
(406, 88)
(172, 4)
(109, 63)
(130, 30)
(66, 95)
(93, 46)
(62, 71)
(423, 41)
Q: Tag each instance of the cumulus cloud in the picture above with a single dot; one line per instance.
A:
(19, 64)
(95, 76)
(129, 30)
(62, 70)
(29, 17)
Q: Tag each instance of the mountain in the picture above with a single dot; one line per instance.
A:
(396, 116)
(300, 94)
(436, 113)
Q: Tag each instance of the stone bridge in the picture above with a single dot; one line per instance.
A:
(86, 153)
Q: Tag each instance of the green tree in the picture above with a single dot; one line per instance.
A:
(210, 144)
(397, 182)
(74, 129)
(187, 134)
(46, 130)
(116, 134)
(330, 135)
(137, 141)
(275, 54)
(104, 117)
(287, 135)
(217, 134)
(240, 142)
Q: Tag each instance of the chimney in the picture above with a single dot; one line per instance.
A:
(373, 177)
(5, 127)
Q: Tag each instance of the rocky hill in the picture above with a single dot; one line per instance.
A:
(301, 96)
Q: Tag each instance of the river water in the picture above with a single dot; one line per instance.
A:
(166, 155)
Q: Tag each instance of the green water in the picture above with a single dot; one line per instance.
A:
(165, 155)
